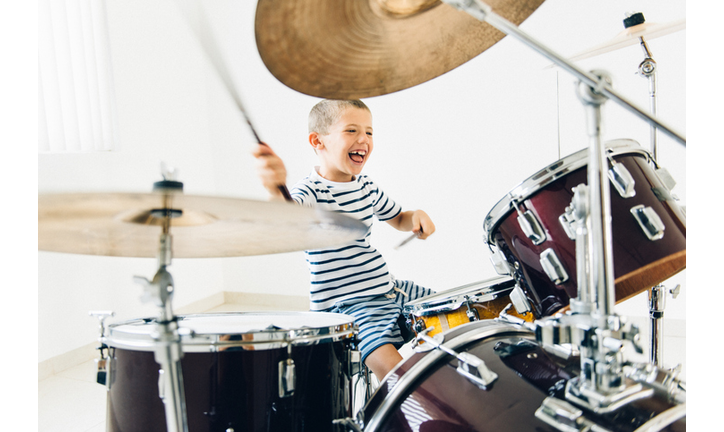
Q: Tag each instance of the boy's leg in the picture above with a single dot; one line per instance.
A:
(383, 360)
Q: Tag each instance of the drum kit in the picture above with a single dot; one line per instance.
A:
(538, 348)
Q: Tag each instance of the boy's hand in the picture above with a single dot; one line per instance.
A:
(422, 224)
(270, 170)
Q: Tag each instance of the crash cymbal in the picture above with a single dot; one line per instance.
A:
(356, 49)
(130, 224)
(630, 36)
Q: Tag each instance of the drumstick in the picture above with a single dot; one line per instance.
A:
(210, 48)
(409, 239)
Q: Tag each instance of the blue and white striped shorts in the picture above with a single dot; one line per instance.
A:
(377, 317)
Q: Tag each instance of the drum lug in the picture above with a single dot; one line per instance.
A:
(622, 180)
(531, 227)
(471, 312)
(520, 302)
(649, 221)
(475, 370)
(354, 360)
(666, 178)
(500, 263)
(419, 326)
(567, 219)
(102, 369)
(553, 267)
(564, 416)
(469, 366)
(287, 378)
(349, 424)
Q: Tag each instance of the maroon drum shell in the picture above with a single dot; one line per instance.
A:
(442, 400)
(236, 384)
(639, 263)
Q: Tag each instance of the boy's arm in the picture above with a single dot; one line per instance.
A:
(416, 221)
(270, 170)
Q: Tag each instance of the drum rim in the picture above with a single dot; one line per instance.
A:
(262, 339)
(548, 175)
(491, 328)
(452, 299)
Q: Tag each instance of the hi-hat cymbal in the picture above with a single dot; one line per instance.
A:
(630, 36)
(356, 49)
(129, 225)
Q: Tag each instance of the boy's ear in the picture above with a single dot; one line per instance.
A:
(315, 141)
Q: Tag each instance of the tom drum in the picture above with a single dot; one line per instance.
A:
(530, 233)
(231, 368)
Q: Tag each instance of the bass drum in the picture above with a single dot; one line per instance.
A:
(427, 394)
(648, 229)
(231, 372)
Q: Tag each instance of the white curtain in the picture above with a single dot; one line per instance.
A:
(76, 107)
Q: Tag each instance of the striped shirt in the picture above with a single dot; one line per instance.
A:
(355, 269)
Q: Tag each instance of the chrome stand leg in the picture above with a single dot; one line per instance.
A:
(657, 300)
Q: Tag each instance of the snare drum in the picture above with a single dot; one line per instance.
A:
(427, 392)
(648, 229)
(461, 305)
(231, 370)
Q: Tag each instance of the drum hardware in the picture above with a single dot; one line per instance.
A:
(420, 346)
(657, 304)
(519, 300)
(646, 69)
(350, 423)
(469, 365)
(483, 12)
(159, 290)
(553, 267)
(566, 417)
(287, 375)
(472, 314)
(664, 382)
(287, 378)
(500, 263)
(649, 221)
(530, 225)
(102, 365)
(621, 179)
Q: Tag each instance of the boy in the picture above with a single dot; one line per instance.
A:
(352, 279)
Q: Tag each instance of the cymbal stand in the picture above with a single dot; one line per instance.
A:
(168, 352)
(484, 12)
(603, 385)
(657, 294)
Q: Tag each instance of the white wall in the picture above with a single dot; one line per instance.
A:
(453, 146)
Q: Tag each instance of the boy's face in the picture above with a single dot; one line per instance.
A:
(344, 151)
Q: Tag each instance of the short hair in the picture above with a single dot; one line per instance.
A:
(326, 112)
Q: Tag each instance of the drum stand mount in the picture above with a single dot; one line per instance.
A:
(160, 289)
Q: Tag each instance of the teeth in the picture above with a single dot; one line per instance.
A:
(361, 153)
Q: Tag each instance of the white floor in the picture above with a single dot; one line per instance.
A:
(71, 401)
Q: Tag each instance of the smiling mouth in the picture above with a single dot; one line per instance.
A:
(357, 156)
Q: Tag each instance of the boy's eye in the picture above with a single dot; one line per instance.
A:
(369, 133)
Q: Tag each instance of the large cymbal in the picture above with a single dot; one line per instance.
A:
(125, 224)
(354, 49)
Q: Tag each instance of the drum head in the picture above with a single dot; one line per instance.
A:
(450, 300)
(548, 175)
(251, 330)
